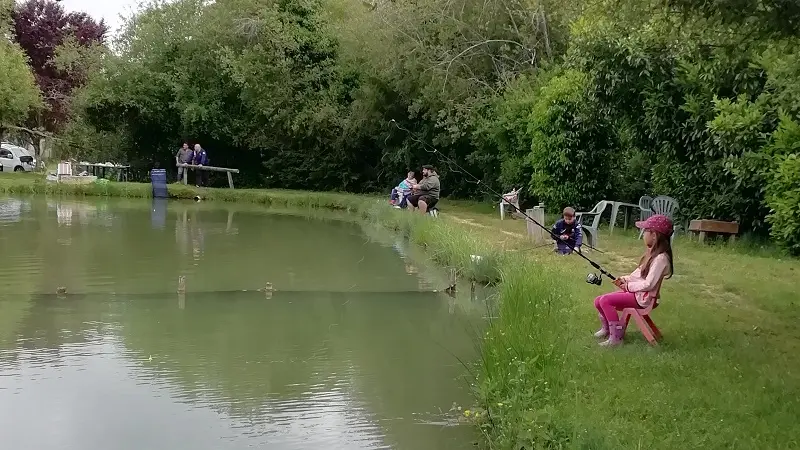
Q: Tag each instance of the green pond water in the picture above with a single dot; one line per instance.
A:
(352, 351)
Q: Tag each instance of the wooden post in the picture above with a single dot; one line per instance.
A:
(181, 284)
(453, 279)
(531, 227)
(185, 174)
(230, 180)
(535, 232)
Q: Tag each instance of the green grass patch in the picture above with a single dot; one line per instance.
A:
(726, 375)
(26, 184)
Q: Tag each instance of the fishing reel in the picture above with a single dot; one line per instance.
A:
(594, 278)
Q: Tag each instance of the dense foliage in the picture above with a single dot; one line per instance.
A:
(18, 93)
(597, 99)
(42, 28)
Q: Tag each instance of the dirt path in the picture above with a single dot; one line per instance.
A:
(472, 223)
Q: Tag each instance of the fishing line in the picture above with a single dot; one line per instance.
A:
(244, 293)
(591, 278)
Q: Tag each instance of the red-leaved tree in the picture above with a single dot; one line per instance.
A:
(40, 27)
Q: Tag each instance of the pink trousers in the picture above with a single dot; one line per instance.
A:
(609, 304)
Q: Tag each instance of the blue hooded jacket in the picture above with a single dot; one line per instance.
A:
(573, 230)
(201, 157)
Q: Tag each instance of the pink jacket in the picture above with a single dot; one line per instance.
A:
(647, 289)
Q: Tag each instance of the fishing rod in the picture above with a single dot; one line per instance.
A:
(590, 278)
(536, 247)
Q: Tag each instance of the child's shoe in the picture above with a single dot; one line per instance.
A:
(602, 333)
(615, 335)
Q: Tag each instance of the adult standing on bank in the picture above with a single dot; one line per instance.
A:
(200, 159)
(185, 155)
(426, 193)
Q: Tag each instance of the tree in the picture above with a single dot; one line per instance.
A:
(40, 28)
(18, 92)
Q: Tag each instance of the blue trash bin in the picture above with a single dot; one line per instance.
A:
(158, 179)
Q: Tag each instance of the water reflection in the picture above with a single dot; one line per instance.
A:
(159, 213)
(140, 410)
(307, 370)
(10, 210)
(333, 359)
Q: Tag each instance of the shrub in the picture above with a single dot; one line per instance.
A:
(572, 143)
(783, 190)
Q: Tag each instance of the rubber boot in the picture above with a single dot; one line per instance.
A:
(602, 333)
(615, 333)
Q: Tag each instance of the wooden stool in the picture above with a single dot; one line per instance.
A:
(642, 317)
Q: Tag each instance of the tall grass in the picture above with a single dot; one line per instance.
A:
(524, 356)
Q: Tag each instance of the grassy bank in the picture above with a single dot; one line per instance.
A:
(26, 184)
(726, 375)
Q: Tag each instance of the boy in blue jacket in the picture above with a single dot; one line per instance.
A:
(567, 231)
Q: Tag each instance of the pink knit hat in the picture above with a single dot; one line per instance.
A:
(658, 223)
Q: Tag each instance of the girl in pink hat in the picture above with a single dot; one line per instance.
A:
(641, 288)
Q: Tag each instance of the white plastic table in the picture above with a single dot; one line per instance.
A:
(615, 210)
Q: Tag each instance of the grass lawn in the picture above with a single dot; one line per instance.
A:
(727, 374)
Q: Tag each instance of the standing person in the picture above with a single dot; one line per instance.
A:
(641, 288)
(185, 155)
(200, 159)
(567, 233)
(426, 193)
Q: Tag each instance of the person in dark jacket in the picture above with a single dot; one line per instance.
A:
(567, 233)
(200, 159)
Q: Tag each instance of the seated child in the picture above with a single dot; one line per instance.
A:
(401, 193)
(567, 233)
(641, 288)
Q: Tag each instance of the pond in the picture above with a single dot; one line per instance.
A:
(351, 348)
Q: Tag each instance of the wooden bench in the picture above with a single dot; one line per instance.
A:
(210, 169)
(702, 227)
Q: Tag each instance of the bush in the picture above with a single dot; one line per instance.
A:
(783, 198)
(504, 128)
(783, 190)
(572, 143)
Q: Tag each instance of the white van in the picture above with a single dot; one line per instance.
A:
(16, 159)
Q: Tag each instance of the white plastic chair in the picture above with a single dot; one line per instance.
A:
(645, 205)
(663, 205)
(645, 211)
(512, 199)
(591, 230)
